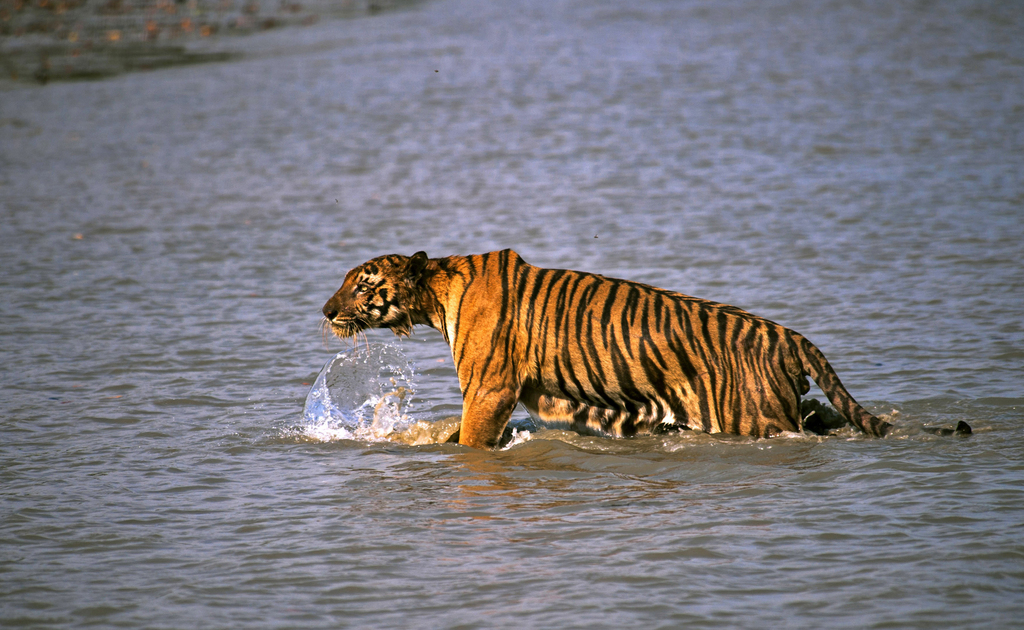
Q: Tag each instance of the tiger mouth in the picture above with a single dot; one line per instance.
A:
(345, 328)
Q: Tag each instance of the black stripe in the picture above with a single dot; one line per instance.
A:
(582, 304)
(702, 344)
(593, 362)
(561, 303)
(654, 374)
(505, 292)
(564, 338)
(728, 369)
(560, 378)
(679, 342)
(538, 284)
(632, 398)
(606, 313)
(545, 322)
(628, 317)
(468, 272)
(584, 341)
(661, 323)
(522, 274)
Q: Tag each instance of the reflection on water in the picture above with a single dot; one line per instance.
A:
(851, 171)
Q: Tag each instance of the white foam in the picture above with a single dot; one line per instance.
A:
(518, 437)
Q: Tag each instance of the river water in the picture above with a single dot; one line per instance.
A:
(851, 170)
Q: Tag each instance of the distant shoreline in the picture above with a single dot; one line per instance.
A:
(67, 40)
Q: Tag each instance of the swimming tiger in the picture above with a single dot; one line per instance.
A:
(596, 354)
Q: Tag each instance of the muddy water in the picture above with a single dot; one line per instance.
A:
(169, 237)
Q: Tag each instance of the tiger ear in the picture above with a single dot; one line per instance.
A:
(415, 267)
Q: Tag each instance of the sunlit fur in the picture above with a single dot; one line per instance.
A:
(374, 295)
(594, 354)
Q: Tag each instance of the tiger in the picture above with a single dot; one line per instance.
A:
(594, 354)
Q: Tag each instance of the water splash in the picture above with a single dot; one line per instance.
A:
(519, 436)
(360, 394)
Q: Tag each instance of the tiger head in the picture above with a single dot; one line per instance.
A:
(380, 293)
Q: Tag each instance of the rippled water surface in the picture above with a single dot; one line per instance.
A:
(853, 171)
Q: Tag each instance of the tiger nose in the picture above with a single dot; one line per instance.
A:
(330, 312)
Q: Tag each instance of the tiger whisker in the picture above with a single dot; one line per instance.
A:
(325, 332)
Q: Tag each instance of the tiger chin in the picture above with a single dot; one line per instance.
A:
(591, 353)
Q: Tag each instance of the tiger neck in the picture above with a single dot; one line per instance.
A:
(432, 300)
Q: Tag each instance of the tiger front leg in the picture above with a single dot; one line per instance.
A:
(484, 417)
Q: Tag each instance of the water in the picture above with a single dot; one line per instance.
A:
(168, 238)
(359, 395)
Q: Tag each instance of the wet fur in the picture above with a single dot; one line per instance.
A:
(590, 353)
